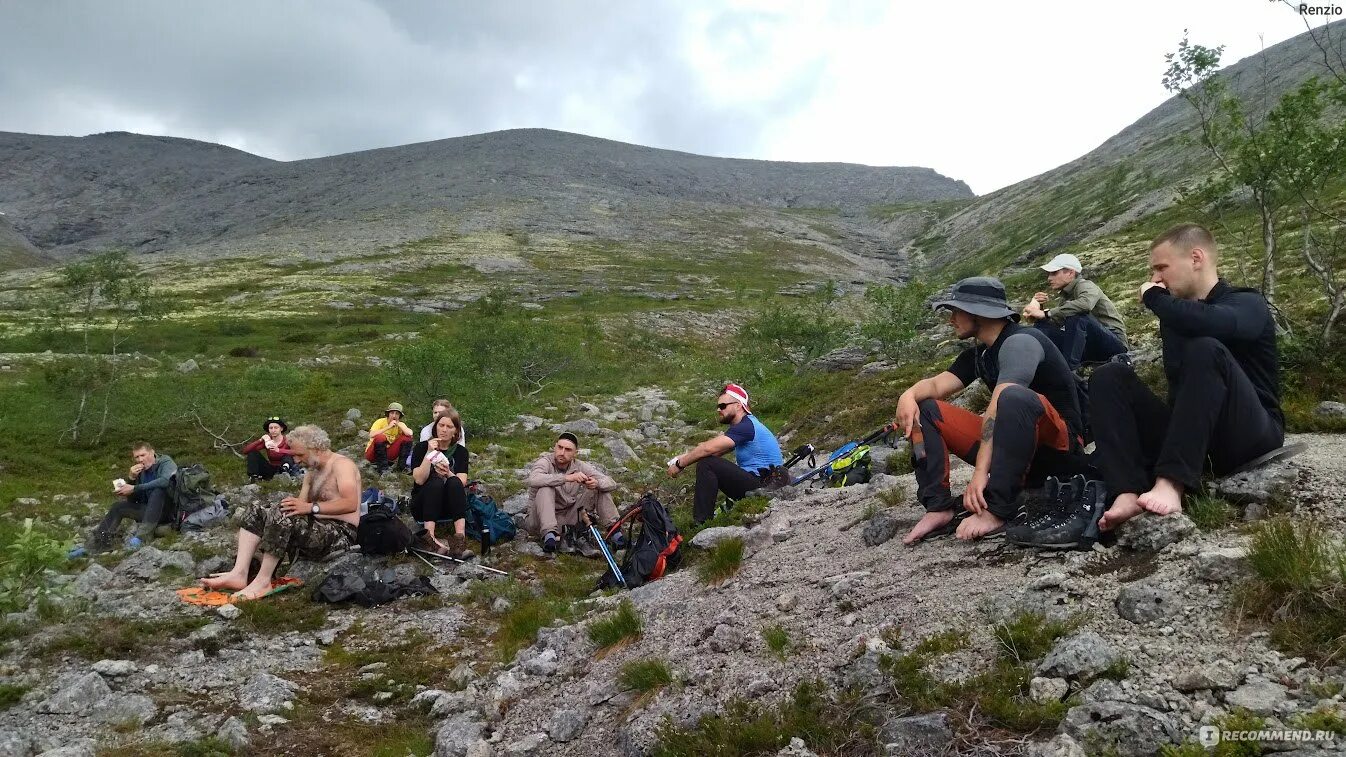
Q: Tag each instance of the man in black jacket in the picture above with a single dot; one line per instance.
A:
(1223, 384)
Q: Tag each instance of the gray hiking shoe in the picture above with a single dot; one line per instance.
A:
(1074, 527)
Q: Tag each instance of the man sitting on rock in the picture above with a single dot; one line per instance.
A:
(146, 496)
(756, 452)
(321, 520)
(559, 486)
(1220, 360)
(1031, 428)
(389, 439)
(1086, 326)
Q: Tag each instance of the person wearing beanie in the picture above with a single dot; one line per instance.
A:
(756, 452)
(1085, 326)
(559, 486)
(1032, 427)
(269, 453)
(389, 437)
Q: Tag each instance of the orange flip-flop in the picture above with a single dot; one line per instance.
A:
(202, 597)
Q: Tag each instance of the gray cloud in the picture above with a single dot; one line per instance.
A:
(307, 78)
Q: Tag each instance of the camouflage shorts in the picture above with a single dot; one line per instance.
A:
(295, 535)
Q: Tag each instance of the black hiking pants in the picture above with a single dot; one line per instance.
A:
(715, 475)
(259, 464)
(1082, 339)
(149, 509)
(439, 500)
(1214, 415)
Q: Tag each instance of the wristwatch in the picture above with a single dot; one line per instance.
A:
(315, 508)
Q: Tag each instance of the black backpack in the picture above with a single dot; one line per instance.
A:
(368, 585)
(653, 552)
(191, 489)
(381, 532)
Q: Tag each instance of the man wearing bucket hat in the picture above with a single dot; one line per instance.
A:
(269, 454)
(1085, 326)
(388, 438)
(756, 452)
(1031, 429)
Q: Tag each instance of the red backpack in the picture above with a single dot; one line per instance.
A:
(651, 553)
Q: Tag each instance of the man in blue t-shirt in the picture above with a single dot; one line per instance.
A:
(755, 452)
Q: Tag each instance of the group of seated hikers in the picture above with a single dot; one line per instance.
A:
(1222, 411)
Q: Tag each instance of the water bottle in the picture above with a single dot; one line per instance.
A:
(485, 541)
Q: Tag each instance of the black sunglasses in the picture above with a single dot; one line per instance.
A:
(723, 405)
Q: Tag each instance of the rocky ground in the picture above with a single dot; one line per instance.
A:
(823, 565)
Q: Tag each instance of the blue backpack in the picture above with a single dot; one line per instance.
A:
(482, 514)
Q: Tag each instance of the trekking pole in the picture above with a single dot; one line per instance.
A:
(456, 560)
(844, 450)
(603, 546)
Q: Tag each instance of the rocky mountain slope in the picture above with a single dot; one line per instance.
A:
(15, 250)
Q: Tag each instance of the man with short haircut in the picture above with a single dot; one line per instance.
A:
(1220, 360)
(756, 452)
(1086, 326)
(560, 486)
(318, 522)
(1031, 429)
(146, 496)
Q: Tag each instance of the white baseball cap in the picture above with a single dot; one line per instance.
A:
(1064, 260)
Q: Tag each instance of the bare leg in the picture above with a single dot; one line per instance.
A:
(1165, 498)
(928, 522)
(238, 577)
(460, 526)
(978, 525)
(1123, 508)
(262, 583)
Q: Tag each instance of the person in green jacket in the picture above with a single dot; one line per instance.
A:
(1085, 325)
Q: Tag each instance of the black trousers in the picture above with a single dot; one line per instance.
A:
(715, 475)
(439, 500)
(1213, 415)
(259, 464)
(1082, 339)
(150, 509)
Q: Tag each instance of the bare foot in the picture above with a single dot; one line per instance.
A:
(1165, 498)
(978, 525)
(1123, 508)
(255, 590)
(928, 522)
(228, 580)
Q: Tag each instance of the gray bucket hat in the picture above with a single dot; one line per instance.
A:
(978, 295)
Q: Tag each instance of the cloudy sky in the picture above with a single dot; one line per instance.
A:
(988, 91)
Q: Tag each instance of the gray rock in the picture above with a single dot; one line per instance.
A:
(92, 581)
(530, 744)
(530, 422)
(1060, 746)
(265, 694)
(787, 601)
(1081, 654)
(581, 426)
(651, 430)
(87, 693)
(1224, 564)
(843, 359)
(796, 748)
(865, 673)
(1142, 603)
(457, 734)
(1127, 730)
(917, 733)
(128, 708)
(725, 638)
(229, 611)
(147, 562)
(214, 564)
(1151, 533)
(1330, 409)
(566, 725)
(1104, 690)
(621, 451)
(517, 504)
(188, 366)
(1270, 484)
(1219, 675)
(589, 408)
(353, 414)
(541, 666)
(233, 732)
(114, 668)
(15, 743)
(1044, 690)
(1260, 696)
(462, 675)
(712, 536)
(347, 425)
(76, 748)
(882, 527)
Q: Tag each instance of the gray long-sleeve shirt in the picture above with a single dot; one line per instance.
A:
(545, 473)
(157, 476)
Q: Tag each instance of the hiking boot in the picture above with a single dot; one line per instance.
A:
(458, 548)
(426, 543)
(1074, 528)
(584, 544)
(568, 541)
(549, 543)
(1055, 504)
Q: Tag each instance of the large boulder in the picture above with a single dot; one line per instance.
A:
(1142, 603)
(457, 734)
(1080, 655)
(711, 536)
(85, 694)
(1151, 533)
(1270, 484)
(1125, 730)
(265, 693)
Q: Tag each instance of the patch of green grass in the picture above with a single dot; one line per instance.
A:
(11, 693)
(1209, 512)
(1238, 720)
(414, 661)
(1325, 689)
(1298, 588)
(1117, 671)
(829, 722)
(744, 511)
(721, 562)
(777, 640)
(1321, 719)
(1001, 697)
(618, 628)
(117, 638)
(644, 676)
(279, 613)
(1030, 636)
(893, 496)
(912, 684)
(208, 746)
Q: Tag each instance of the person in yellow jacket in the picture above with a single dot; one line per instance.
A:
(389, 437)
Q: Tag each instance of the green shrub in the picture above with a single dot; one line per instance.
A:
(620, 627)
(644, 676)
(721, 561)
(1030, 636)
(11, 693)
(777, 640)
(895, 316)
(26, 559)
(795, 333)
(1298, 587)
(1209, 512)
